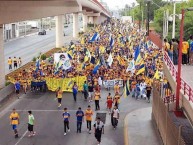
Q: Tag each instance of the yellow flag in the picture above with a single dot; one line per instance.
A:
(156, 75)
(82, 41)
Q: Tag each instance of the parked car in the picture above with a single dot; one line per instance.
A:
(42, 32)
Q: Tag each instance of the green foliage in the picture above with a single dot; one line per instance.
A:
(43, 57)
(188, 25)
(7, 83)
(34, 59)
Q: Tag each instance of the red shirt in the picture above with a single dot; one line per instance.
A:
(109, 103)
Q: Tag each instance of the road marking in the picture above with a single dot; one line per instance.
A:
(21, 137)
(61, 110)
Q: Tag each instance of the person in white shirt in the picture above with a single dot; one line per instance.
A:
(115, 117)
(99, 129)
(142, 89)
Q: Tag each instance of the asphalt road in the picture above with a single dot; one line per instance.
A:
(30, 46)
(49, 122)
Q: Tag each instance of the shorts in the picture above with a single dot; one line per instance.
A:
(59, 100)
(14, 126)
(90, 94)
(17, 91)
(30, 127)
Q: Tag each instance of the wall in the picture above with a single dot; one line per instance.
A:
(161, 117)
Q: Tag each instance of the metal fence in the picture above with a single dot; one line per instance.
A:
(187, 90)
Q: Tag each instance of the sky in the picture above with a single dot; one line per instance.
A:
(120, 4)
(113, 4)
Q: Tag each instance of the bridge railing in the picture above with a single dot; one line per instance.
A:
(186, 88)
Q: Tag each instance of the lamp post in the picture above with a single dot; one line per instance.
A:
(180, 56)
(174, 20)
(147, 23)
(133, 5)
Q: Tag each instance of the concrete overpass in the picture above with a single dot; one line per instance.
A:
(16, 10)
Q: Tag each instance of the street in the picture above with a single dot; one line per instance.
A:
(49, 121)
(30, 46)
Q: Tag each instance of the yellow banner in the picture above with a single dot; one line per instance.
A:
(65, 83)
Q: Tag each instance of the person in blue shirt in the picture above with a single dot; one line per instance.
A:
(75, 91)
(80, 119)
(17, 88)
(66, 117)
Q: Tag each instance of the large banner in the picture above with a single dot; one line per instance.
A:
(65, 83)
(61, 60)
(111, 83)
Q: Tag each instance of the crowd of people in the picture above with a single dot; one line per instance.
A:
(14, 63)
(172, 48)
(109, 56)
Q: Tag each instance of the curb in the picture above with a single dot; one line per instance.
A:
(126, 134)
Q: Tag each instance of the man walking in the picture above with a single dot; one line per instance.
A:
(59, 96)
(99, 129)
(17, 88)
(80, 119)
(31, 120)
(85, 87)
(115, 116)
(88, 114)
(90, 91)
(66, 117)
(14, 121)
(75, 91)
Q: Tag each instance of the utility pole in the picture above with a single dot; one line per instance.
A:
(140, 16)
(133, 5)
(148, 15)
(174, 20)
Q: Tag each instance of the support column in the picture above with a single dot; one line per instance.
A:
(85, 21)
(75, 25)
(2, 57)
(95, 20)
(90, 20)
(59, 31)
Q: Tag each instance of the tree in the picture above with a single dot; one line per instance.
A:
(188, 25)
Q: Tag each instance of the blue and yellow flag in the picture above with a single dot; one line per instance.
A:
(97, 66)
(126, 90)
(141, 69)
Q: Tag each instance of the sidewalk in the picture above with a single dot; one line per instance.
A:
(139, 128)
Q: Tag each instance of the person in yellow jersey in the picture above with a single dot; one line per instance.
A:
(59, 96)
(97, 98)
(14, 121)
(9, 61)
(185, 48)
(116, 99)
(116, 88)
(88, 115)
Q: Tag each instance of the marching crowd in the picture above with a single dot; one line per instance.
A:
(110, 51)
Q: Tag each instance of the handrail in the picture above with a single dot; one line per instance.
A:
(186, 88)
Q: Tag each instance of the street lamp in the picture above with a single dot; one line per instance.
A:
(147, 22)
(180, 56)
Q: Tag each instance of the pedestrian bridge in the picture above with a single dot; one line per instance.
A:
(15, 10)
(175, 127)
